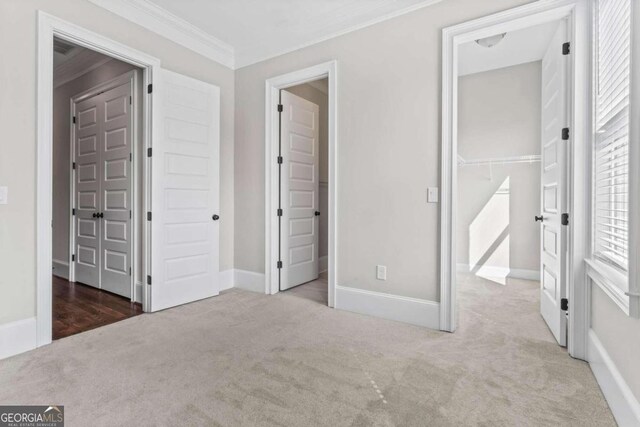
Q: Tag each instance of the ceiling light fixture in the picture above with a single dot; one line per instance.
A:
(491, 40)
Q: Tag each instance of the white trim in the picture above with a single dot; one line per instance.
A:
(510, 20)
(496, 271)
(323, 264)
(610, 281)
(168, 25)
(61, 78)
(17, 337)
(256, 54)
(634, 172)
(48, 27)
(249, 281)
(61, 269)
(622, 402)
(226, 279)
(272, 96)
(138, 292)
(393, 307)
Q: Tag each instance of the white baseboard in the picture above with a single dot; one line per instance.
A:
(226, 279)
(17, 337)
(61, 269)
(249, 281)
(138, 294)
(323, 264)
(623, 403)
(493, 271)
(393, 307)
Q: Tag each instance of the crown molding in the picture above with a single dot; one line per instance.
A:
(259, 53)
(157, 19)
(161, 21)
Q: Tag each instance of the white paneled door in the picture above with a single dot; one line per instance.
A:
(115, 192)
(299, 147)
(87, 191)
(185, 212)
(553, 198)
(102, 190)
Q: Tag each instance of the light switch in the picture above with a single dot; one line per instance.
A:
(432, 195)
(381, 272)
(4, 195)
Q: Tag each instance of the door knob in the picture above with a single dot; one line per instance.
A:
(317, 213)
(540, 218)
(215, 217)
(101, 215)
(94, 215)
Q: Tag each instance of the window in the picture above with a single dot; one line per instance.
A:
(611, 151)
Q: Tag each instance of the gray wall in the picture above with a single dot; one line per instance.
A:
(388, 148)
(18, 31)
(499, 116)
(321, 99)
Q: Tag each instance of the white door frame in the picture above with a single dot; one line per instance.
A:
(48, 27)
(578, 14)
(128, 77)
(272, 132)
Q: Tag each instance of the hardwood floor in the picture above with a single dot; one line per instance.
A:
(78, 308)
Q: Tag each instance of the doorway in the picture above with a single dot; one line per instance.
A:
(180, 128)
(304, 190)
(511, 113)
(564, 119)
(97, 181)
(295, 220)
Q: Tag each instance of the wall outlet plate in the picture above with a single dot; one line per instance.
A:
(4, 195)
(381, 272)
(432, 195)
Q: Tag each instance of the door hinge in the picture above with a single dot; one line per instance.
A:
(74, 119)
(149, 152)
(130, 157)
(279, 160)
(73, 166)
(148, 280)
(148, 216)
(564, 304)
(566, 48)
(73, 258)
(279, 212)
(130, 100)
(129, 271)
(280, 108)
(565, 134)
(565, 219)
(129, 213)
(73, 212)
(149, 88)
(279, 264)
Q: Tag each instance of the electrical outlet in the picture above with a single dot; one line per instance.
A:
(381, 272)
(4, 195)
(432, 195)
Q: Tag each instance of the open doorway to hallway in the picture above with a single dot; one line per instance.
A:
(304, 186)
(97, 193)
(511, 182)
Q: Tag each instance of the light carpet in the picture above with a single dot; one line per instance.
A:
(248, 359)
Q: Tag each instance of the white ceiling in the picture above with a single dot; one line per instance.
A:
(76, 62)
(242, 32)
(518, 47)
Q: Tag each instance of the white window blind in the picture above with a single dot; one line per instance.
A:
(611, 162)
